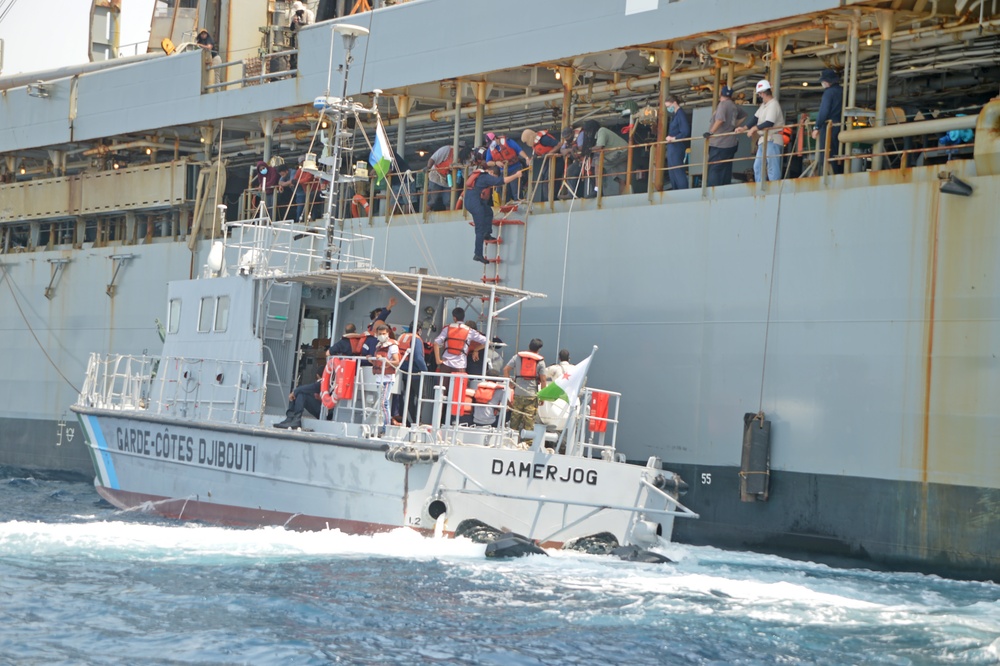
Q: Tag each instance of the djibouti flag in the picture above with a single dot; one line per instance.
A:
(567, 387)
(381, 157)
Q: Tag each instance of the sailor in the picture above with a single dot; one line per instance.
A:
(503, 153)
(528, 370)
(205, 41)
(455, 338)
(541, 143)
(385, 363)
(768, 116)
(305, 397)
(560, 369)
(410, 368)
(349, 344)
(479, 202)
(830, 108)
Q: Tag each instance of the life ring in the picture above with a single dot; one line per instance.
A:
(460, 202)
(359, 203)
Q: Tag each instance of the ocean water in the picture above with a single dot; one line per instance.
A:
(82, 583)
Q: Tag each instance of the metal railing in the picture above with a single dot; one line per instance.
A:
(193, 389)
(594, 170)
(281, 248)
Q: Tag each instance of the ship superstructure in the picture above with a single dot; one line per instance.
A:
(855, 312)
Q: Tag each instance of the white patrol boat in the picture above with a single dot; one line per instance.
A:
(190, 434)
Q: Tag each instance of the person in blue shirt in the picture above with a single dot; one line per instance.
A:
(678, 141)
(479, 200)
(830, 108)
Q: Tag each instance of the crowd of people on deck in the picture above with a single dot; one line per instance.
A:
(459, 350)
(589, 160)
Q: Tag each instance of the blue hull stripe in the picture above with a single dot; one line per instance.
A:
(102, 451)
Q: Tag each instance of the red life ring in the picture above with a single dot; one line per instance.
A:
(359, 203)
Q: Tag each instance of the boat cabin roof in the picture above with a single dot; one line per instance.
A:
(356, 280)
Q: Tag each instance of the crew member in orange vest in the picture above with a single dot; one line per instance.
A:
(349, 344)
(452, 344)
(528, 371)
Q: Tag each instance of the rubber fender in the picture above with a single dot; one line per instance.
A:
(602, 543)
(477, 531)
(636, 554)
(512, 545)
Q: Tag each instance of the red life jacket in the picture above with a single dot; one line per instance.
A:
(529, 364)
(357, 341)
(538, 148)
(502, 152)
(444, 167)
(457, 340)
(405, 340)
(484, 392)
(471, 180)
(381, 362)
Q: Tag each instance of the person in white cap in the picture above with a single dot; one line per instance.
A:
(768, 116)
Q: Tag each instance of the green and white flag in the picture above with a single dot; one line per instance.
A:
(568, 386)
(381, 157)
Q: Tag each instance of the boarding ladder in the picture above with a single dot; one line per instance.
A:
(509, 214)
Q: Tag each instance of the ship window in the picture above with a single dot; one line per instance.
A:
(206, 315)
(222, 314)
(174, 315)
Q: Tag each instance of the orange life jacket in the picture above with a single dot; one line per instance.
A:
(502, 152)
(484, 392)
(457, 340)
(538, 148)
(471, 181)
(445, 165)
(786, 134)
(357, 341)
(406, 340)
(381, 362)
(529, 364)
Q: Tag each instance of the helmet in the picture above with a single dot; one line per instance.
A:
(490, 136)
(762, 85)
(528, 136)
(480, 154)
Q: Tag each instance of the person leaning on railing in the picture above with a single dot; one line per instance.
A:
(769, 116)
(722, 149)
(678, 141)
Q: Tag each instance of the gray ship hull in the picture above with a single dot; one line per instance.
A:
(870, 352)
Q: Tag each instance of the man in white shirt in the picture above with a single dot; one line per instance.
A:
(769, 116)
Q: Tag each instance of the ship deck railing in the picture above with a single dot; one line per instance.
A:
(263, 247)
(192, 389)
(448, 409)
(412, 192)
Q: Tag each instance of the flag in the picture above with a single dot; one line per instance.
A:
(568, 386)
(381, 157)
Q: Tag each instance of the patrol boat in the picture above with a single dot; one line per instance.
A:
(191, 434)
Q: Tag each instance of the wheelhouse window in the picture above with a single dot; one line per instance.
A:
(206, 315)
(174, 315)
(222, 314)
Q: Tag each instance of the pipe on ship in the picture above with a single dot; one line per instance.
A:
(19, 80)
